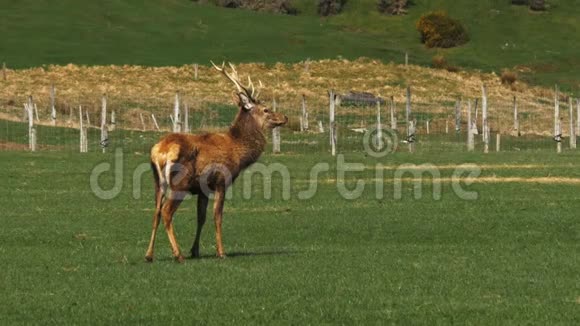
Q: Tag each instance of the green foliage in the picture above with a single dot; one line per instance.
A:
(438, 30)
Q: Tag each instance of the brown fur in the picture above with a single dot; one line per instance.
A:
(204, 164)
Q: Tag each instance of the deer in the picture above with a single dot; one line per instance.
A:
(208, 163)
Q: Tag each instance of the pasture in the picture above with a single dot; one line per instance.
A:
(510, 256)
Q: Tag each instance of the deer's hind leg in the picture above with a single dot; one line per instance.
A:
(159, 193)
(167, 211)
(202, 201)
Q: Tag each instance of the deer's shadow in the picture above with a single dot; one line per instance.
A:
(242, 254)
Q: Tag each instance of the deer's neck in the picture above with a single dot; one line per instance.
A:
(249, 137)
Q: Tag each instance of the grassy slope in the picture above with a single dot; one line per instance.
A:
(174, 32)
(509, 257)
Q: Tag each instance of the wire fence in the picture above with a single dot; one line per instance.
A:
(521, 123)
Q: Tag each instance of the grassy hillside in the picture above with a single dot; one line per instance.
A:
(175, 32)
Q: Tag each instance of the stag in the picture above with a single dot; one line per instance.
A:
(208, 163)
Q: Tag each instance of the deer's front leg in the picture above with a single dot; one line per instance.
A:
(218, 208)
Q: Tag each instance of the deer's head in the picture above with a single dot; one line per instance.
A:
(246, 98)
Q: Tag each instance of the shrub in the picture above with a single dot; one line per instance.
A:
(439, 62)
(393, 7)
(439, 30)
(330, 7)
(508, 77)
(520, 2)
(276, 6)
(538, 5)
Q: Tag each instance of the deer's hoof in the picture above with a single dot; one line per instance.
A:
(221, 256)
(149, 259)
(179, 259)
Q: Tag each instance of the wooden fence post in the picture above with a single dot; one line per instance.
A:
(155, 121)
(275, 133)
(470, 141)
(577, 117)
(410, 124)
(485, 126)
(427, 127)
(497, 142)
(406, 59)
(83, 132)
(195, 73)
(104, 131)
(143, 128)
(457, 116)
(186, 118)
(557, 124)
(379, 135)
(4, 71)
(572, 130)
(393, 114)
(516, 118)
(52, 105)
(332, 124)
(31, 128)
(304, 114)
(113, 121)
(176, 119)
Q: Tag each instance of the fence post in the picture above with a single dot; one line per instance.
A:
(186, 119)
(113, 121)
(577, 117)
(52, 105)
(4, 71)
(195, 73)
(83, 134)
(572, 131)
(470, 142)
(31, 128)
(497, 142)
(320, 127)
(457, 116)
(485, 126)
(332, 124)
(410, 124)
(176, 121)
(379, 136)
(427, 126)
(447, 126)
(557, 125)
(304, 114)
(104, 131)
(275, 133)
(393, 114)
(406, 59)
(154, 121)
(516, 118)
(143, 128)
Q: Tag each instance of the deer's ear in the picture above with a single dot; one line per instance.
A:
(244, 102)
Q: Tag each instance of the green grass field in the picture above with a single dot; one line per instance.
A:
(175, 32)
(509, 257)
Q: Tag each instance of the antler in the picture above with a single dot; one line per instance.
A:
(234, 78)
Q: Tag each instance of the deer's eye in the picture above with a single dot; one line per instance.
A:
(266, 111)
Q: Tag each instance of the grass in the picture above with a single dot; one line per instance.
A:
(176, 32)
(511, 256)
